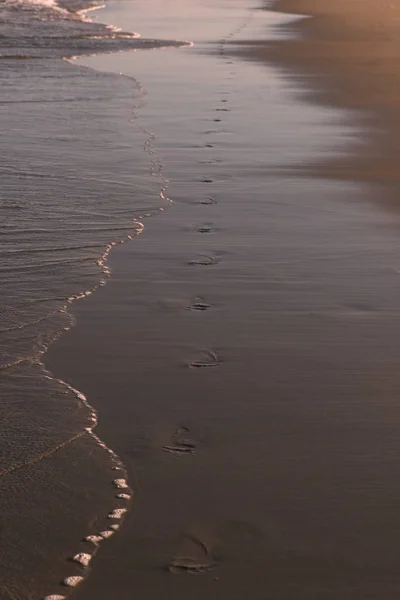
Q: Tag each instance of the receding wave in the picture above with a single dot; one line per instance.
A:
(47, 29)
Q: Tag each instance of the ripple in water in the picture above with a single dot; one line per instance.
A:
(76, 174)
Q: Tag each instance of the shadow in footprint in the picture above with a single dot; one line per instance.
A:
(199, 304)
(203, 228)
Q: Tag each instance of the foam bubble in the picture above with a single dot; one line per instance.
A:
(73, 580)
(82, 558)
(106, 534)
(117, 513)
(95, 539)
(124, 496)
(120, 483)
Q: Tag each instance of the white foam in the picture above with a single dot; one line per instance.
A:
(73, 580)
(54, 597)
(115, 526)
(40, 3)
(82, 558)
(106, 534)
(124, 496)
(117, 513)
(121, 484)
(95, 539)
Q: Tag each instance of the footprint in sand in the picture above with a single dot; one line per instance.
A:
(195, 554)
(212, 161)
(207, 201)
(206, 228)
(199, 304)
(207, 359)
(205, 261)
(180, 443)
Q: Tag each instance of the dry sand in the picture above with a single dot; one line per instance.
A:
(351, 51)
(357, 42)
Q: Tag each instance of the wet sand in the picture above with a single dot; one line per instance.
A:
(243, 357)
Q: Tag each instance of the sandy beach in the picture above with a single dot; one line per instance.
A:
(350, 52)
(243, 357)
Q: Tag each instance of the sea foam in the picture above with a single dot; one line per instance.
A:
(117, 513)
(120, 483)
(73, 580)
(82, 558)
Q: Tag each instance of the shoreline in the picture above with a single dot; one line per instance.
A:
(52, 461)
(123, 494)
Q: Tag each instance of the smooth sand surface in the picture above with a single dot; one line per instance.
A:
(261, 433)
